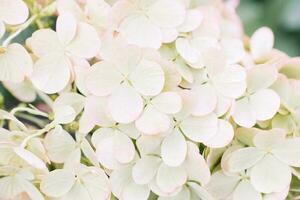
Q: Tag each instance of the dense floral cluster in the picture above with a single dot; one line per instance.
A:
(146, 99)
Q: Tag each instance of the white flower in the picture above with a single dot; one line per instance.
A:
(12, 12)
(156, 20)
(272, 153)
(60, 51)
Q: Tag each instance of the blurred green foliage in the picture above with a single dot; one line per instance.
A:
(282, 16)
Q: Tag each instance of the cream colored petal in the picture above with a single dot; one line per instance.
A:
(89, 152)
(133, 191)
(125, 105)
(152, 121)
(148, 145)
(105, 153)
(119, 179)
(51, 73)
(30, 158)
(123, 148)
(192, 21)
(57, 183)
(145, 169)
(196, 166)
(174, 149)
(268, 139)
(75, 100)
(24, 91)
(224, 135)
(64, 114)
(288, 151)
(169, 179)
(100, 134)
(168, 102)
(186, 50)
(200, 129)
(10, 186)
(167, 13)
(103, 79)
(243, 114)
(205, 100)
(86, 43)
(199, 192)
(265, 104)
(59, 145)
(270, 175)
(147, 35)
(148, 78)
(44, 41)
(244, 158)
(13, 12)
(234, 49)
(261, 42)
(245, 190)
(66, 26)
(15, 63)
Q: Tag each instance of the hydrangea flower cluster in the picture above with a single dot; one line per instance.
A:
(146, 99)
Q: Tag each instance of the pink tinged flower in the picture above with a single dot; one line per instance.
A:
(156, 21)
(72, 41)
(12, 69)
(12, 12)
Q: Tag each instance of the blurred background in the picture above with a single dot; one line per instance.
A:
(282, 16)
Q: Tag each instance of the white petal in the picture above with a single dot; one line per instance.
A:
(32, 191)
(103, 79)
(66, 26)
(231, 82)
(224, 135)
(288, 152)
(243, 114)
(245, 190)
(86, 43)
(89, 152)
(269, 139)
(2, 29)
(265, 103)
(57, 183)
(186, 50)
(125, 105)
(205, 100)
(105, 153)
(200, 129)
(168, 102)
(148, 78)
(192, 20)
(196, 166)
(133, 191)
(44, 41)
(243, 159)
(234, 49)
(270, 175)
(261, 77)
(152, 122)
(119, 179)
(148, 145)
(75, 100)
(30, 158)
(169, 179)
(262, 42)
(124, 150)
(59, 145)
(221, 186)
(100, 134)
(167, 13)
(147, 35)
(199, 192)
(24, 91)
(145, 169)
(13, 12)
(51, 73)
(174, 149)
(15, 64)
(169, 35)
(183, 194)
(10, 186)
(64, 114)
(77, 192)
